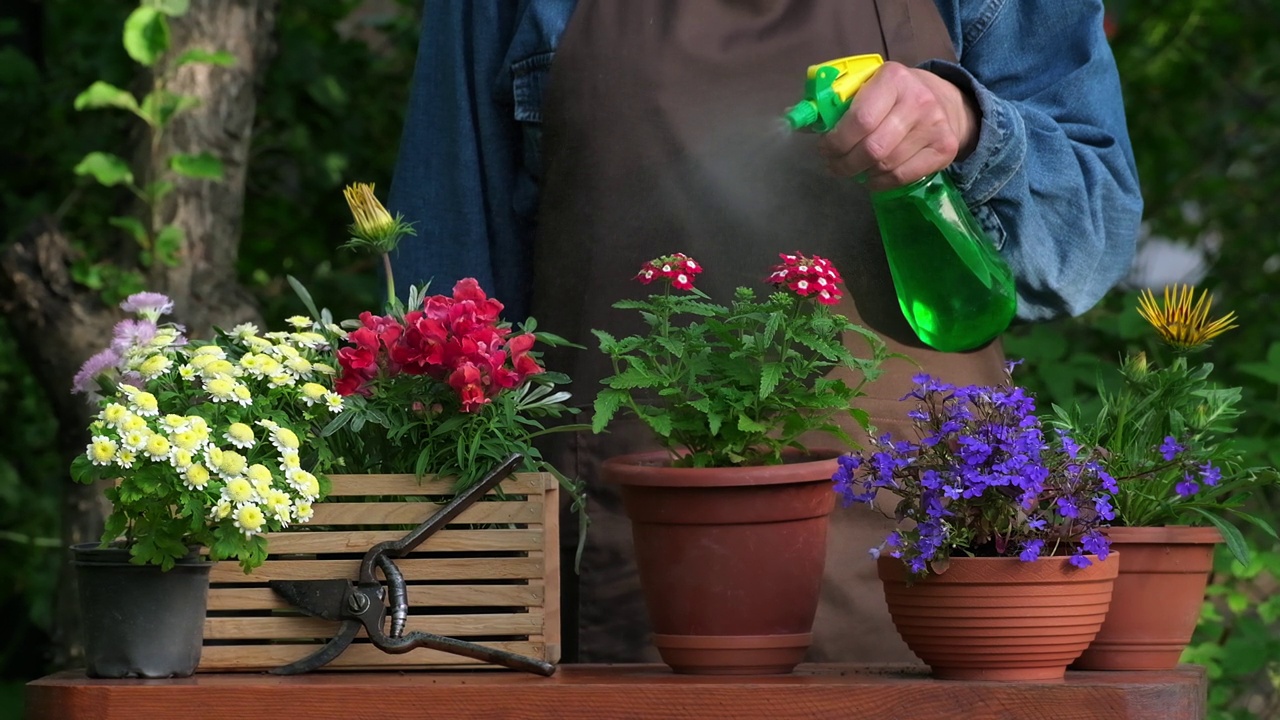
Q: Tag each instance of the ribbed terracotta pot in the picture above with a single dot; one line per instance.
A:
(1157, 598)
(730, 559)
(1000, 618)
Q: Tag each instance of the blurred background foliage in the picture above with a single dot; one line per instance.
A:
(1202, 86)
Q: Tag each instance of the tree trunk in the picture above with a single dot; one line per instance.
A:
(58, 324)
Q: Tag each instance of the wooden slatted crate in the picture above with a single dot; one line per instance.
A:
(491, 576)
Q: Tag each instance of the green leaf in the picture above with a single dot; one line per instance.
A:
(104, 95)
(146, 35)
(1257, 522)
(155, 191)
(606, 406)
(746, 424)
(301, 291)
(221, 58)
(1235, 541)
(169, 244)
(770, 375)
(160, 106)
(107, 169)
(172, 8)
(202, 166)
(134, 227)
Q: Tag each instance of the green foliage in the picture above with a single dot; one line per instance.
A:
(1238, 640)
(737, 384)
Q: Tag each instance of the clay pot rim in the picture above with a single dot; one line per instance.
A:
(1165, 535)
(651, 469)
(733, 642)
(987, 570)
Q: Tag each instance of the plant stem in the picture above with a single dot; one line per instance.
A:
(391, 280)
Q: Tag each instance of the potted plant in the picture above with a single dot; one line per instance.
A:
(209, 446)
(1165, 434)
(729, 519)
(998, 572)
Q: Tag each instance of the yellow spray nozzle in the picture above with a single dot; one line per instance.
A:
(828, 90)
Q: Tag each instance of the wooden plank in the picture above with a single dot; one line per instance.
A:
(358, 655)
(397, 485)
(481, 568)
(359, 541)
(413, 513)
(551, 563)
(302, 628)
(263, 598)
(578, 692)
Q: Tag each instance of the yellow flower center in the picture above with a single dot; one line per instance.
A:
(239, 491)
(250, 518)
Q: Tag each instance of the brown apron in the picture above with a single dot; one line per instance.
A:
(662, 134)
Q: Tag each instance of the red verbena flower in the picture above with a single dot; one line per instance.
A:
(679, 268)
(807, 276)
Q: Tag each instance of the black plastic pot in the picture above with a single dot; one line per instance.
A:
(137, 620)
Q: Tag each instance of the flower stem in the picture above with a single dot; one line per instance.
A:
(391, 280)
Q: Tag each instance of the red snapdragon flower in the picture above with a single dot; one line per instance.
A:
(679, 268)
(458, 341)
(807, 276)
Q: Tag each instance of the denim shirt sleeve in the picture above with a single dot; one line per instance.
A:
(466, 172)
(1052, 178)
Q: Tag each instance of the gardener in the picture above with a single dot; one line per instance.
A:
(655, 130)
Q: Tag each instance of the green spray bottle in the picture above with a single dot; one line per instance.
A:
(954, 289)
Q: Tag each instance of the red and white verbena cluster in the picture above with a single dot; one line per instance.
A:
(455, 340)
(805, 276)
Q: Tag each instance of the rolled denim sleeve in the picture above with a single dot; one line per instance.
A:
(1052, 177)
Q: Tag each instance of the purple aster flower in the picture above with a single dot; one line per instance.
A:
(86, 380)
(1031, 550)
(1095, 543)
(1080, 561)
(150, 305)
(1170, 448)
(1210, 474)
(130, 334)
(1187, 487)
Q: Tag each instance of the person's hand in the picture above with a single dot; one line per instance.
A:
(903, 124)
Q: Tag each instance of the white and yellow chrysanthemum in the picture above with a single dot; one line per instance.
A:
(158, 447)
(197, 478)
(181, 459)
(144, 403)
(282, 379)
(244, 330)
(257, 343)
(212, 351)
(135, 439)
(187, 440)
(132, 423)
(290, 462)
(276, 335)
(285, 439)
(244, 398)
(299, 366)
(305, 483)
(101, 450)
(300, 322)
(125, 457)
(313, 393)
(174, 423)
(302, 511)
(230, 464)
(249, 519)
(221, 389)
(323, 369)
(311, 340)
(187, 372)
(220, 368)
(251, 363)
(333, 401)
(222, 510)
(114, 414)
(239, 435)
(239, 491)
(154, 366)
(278, 504)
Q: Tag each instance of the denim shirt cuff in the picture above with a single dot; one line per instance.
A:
(1002, 138)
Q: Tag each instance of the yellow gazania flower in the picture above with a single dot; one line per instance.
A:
(372, 221)
(1182, 319)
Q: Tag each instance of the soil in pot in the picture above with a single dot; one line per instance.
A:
(1000, 618)
(137, 620)
(1157, 598)
(730, 559)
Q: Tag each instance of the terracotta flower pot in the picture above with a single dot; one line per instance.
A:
(1157, 599)
(1000, 618)
(730, 559)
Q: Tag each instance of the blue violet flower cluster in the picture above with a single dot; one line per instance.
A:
(982, 480)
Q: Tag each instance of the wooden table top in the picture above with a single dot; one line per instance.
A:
(622, 691)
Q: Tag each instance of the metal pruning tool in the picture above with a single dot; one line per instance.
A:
(364, 603)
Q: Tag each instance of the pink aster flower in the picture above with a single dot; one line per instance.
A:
(86, 380)
(132, 333)
(150, 305)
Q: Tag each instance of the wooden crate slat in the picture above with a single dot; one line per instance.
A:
(479, 568)
(443, 541)
(368, 485)
(358, 655)
(413, 513)
(299, 627)
(264, 598)
(501, 567)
